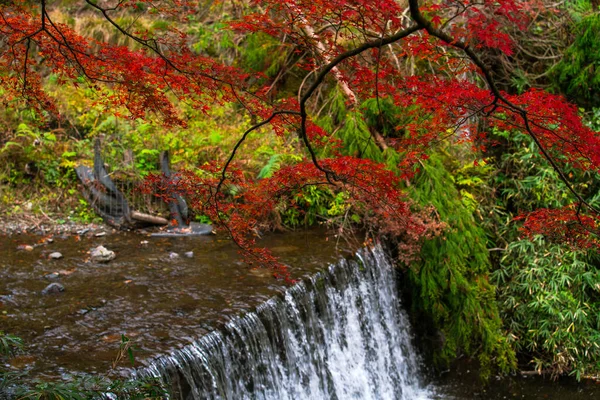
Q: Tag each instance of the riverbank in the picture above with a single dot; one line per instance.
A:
(50, 228)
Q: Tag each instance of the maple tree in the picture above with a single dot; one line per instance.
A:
(368, 49)
(367, 88)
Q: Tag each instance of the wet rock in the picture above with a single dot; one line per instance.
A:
(189, 254)
(100, 234)
(25, 247)
(261, 272)
(52, 276)
(7, 299)
(173, 255)
(102, 254)
(55, 256)
(53, 288)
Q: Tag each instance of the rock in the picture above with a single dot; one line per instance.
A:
(7, 299)
(102, 254)
(99, 234)
(261, 272)
(55, 256)
(173, 255)
(53, 288)
(189, 254)
(144, 242)
(52, 276)
(25, 247)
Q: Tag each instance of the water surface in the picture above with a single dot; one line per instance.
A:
(160, 300)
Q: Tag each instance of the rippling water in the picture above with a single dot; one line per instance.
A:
(159, 300)
(341, 334)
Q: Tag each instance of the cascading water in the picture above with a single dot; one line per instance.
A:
(339, 334)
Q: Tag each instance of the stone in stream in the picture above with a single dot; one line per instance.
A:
(7, 299)
(189, 254)
(52, 275)
(102, 254)
(53, 288)
(55, 256)
(173, 255)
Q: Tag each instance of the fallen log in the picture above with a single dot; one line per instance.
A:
(148, 218)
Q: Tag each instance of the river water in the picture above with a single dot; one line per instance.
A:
(214, 329)
(160, 300)
(337, 335)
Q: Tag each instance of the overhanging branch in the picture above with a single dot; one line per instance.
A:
(421, 21)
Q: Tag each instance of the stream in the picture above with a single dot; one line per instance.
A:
(213, 328)
(152, 292)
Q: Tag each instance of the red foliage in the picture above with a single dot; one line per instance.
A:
(357, 44)
(567, 225)
(370, 186)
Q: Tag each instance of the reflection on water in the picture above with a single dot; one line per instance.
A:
(462, 382)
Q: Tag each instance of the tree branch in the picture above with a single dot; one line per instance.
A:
(421, 21)
(377, 43)
(243, 138)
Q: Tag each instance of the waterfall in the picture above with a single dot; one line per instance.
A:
(338, 335)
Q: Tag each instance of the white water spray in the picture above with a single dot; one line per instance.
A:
(339, 335)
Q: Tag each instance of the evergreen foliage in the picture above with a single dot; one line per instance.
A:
(262, 53)
(357, 139)
(578, 72)
(451, 278)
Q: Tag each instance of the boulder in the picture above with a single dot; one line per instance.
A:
(102, 254)
(53, 288)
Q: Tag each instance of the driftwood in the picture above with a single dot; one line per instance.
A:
(108, 201)
(151, 219)
(177, 206)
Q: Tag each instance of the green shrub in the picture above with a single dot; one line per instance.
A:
(548, 293)
(577, 73)
(550, 302)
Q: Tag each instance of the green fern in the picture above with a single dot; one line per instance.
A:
(450, 280)
(578, 74)
(270, 167)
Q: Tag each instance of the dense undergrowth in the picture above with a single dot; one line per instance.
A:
(489, 292)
